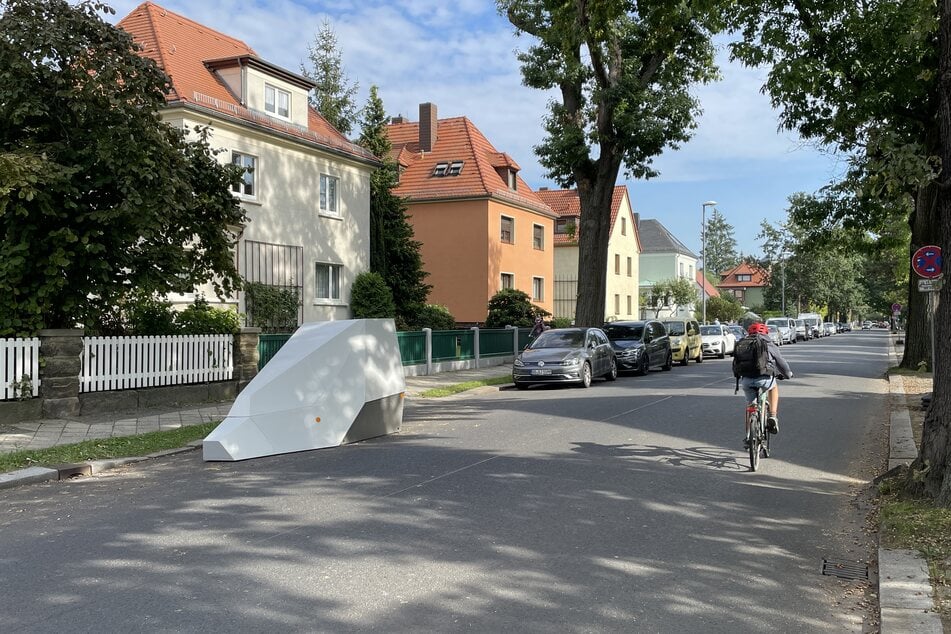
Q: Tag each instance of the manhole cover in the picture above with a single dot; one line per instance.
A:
(844, 569)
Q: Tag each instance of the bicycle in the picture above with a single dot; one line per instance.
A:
(757, 411)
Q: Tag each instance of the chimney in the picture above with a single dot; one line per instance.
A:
(427, 126)
(637, 220)
(399, 119)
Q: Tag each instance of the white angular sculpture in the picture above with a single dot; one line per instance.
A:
(332, 383)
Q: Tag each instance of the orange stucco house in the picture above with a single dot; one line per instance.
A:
(482, 228)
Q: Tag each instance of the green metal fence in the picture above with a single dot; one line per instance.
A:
(268, 345)
(495, 342)
(412, 347)
(453, 345)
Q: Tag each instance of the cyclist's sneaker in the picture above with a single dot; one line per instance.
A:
(772, 424)
(746, 442)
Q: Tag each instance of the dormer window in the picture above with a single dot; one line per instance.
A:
(744, 277)
(440, 169)
(453, 168)
(277, 101)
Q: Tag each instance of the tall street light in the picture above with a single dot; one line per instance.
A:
(703, 253)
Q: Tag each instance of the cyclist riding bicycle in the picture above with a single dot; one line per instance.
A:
(753, 373)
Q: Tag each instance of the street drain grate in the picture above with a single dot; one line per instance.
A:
(844, 569)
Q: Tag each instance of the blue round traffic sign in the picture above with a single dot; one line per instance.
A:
(927, 262)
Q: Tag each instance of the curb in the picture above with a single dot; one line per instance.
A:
(32, 475)
(904, 583)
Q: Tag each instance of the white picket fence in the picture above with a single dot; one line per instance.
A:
(19, 358)
(121, 363)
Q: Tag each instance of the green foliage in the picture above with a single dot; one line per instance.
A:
(149, 316)
(370, 297)
(561, 322)
(436, 317)
(512, 307)
(202, 319)
(624, 72)
(394, 254)
(720, 254)
(726, 308)
(272, 308)
(97, 196)
(333, 95)
(671, 293)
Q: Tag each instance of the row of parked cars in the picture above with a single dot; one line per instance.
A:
(579, 355)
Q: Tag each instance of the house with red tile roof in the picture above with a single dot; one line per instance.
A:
(746, 282)
(621, 299)
(306, 188)
(481, 226)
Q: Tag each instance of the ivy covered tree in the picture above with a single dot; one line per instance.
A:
(98, 197)
(622, 72)
(394, 254)
(334, 95)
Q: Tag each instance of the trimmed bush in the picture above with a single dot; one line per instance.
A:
(436, 317)
(371, 298)
(202, 319)
(512, 307)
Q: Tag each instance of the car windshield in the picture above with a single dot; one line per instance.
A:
(624, 333)
(675, 327)
(711, 330)
(559, 339)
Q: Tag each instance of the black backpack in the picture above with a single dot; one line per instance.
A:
(751, 357)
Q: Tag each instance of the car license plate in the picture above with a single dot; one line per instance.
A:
(541, 372)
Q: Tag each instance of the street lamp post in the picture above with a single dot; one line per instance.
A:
(782, 259)
(703, 253)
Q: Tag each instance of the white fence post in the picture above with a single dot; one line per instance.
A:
(429, 350)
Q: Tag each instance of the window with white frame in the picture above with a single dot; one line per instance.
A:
(508, 280)
(507, 230)
(329, 203)
(681, 269)
(328, 282)
(538, 237)
(246, 186)
(538, 289)
(277, 101)
(512, 181)
(744, 277)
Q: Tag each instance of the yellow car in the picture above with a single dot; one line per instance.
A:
(685, 341)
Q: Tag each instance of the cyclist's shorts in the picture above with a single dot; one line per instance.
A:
(750, 384)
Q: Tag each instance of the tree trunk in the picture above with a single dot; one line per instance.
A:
(925, 229)
(595, 196)
(934, 457)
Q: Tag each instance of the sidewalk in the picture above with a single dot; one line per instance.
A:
(42, 434)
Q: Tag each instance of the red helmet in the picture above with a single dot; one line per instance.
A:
(757, 329)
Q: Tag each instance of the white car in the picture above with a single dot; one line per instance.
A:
(717, 340)
(787, 328)
(829, 328)
(774, 334)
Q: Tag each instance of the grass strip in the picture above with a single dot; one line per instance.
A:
(104, 448)
(438, 392)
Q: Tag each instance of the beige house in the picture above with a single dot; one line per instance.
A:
(306, 188)
(621, 299)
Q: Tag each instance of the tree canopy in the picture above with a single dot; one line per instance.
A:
(720, 253)
(623, 72)
(334, 95)
(98, 197)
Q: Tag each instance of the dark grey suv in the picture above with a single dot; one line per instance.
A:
(640, 345)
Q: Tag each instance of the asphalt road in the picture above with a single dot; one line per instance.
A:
(626, 507)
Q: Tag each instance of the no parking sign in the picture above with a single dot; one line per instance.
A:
(926, 262)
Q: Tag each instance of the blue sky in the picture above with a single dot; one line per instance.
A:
(460, 56)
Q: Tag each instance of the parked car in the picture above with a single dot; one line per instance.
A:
(774, 334)
(787, 328)
(813, 321)
(845, 327)
(866, 325)
(565, 355)
(640, 345)
(828, 328)
(717, 340)
(803, 331)
(738, 331)
(685, 340)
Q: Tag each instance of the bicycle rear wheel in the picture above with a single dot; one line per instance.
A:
(756, 440)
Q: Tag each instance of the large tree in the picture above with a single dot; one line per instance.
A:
(720, 251)
(623, 71)
(394, 253)
(98, 197)
(334, 95)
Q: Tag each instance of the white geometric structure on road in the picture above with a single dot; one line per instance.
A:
(332, 383)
